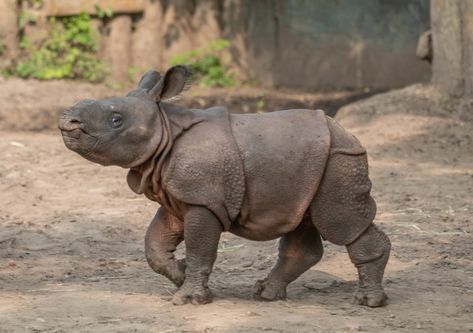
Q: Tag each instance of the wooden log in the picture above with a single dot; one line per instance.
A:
(37, 32)
(8, 30)
(186, 28)
(67, 7)
(467, 34)
(119, 47)
(147, 39)
(452, 38)
(447, 69)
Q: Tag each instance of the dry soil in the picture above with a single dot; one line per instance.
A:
(71, 236)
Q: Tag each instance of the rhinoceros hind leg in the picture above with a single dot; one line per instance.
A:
(370, 253)
(298, 251)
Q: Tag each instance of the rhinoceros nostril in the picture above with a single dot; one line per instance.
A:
(69, 124)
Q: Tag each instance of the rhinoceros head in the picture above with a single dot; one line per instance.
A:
(123, 131)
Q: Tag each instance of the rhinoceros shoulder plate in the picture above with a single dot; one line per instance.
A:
(205, 167)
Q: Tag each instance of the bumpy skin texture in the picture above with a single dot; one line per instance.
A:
(282, 169)
(370, 253)
(299, 250)
(293, 174)
(201, 233)
(343, 207)
(164, 234)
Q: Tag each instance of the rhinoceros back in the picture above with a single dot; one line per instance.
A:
(284, 155)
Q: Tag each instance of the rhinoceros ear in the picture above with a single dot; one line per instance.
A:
(149, 80)
(176, 80)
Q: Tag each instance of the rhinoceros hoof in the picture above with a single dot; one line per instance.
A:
(371, 298)
(267, 290)
(199, 295)
(177, 273)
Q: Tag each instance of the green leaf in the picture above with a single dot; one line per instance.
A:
(208, 64)
(69, 52)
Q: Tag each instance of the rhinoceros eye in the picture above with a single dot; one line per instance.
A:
(117, 120)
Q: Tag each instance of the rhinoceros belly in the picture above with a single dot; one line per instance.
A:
(284, 155)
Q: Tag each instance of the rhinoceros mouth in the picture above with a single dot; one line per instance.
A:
(73, 134)
(79, 141)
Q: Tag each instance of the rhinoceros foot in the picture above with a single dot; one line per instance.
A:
(270, 290)
(371, 298)
(191, 294)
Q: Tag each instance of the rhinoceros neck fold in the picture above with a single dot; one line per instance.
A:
(145, 178)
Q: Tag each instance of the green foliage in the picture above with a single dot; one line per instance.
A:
(134, 73)
(103, 13)
(33, 3)
(260, 104)
(24, 18)
(208, 64)
(68, 52)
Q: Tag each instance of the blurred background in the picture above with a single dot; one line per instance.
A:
(305, 45)
(343, 49)
(397, 74)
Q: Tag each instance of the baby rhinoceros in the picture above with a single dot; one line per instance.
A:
(294, 174)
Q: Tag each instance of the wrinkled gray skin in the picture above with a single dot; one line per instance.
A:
(291, 174)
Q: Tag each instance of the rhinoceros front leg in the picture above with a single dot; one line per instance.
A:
(164, 234)
(201, 235)
(298, 251)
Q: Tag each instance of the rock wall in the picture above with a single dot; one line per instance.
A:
(320, 44)
(300, 44)
(306, 44)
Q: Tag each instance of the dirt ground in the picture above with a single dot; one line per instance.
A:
(71, 237)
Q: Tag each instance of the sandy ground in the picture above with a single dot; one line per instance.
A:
(71, 239)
